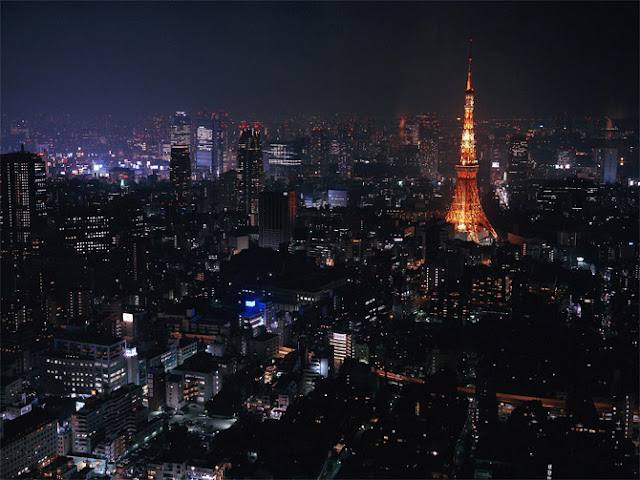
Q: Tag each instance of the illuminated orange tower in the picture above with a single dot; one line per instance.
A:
(466, 212)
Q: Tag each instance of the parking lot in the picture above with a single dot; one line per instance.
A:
(197, 422)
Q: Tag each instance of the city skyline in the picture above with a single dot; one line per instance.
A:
(201, 280)
(283, 58)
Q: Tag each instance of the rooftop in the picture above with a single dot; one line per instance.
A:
(24, 425)
(200, 362)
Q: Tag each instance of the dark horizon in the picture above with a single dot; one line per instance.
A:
(275, 59)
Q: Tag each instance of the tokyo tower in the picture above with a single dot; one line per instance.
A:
(466, 213)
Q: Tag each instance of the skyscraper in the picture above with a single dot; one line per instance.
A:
(220, 144)
(466, 213)
(286, 157)
(277, 218)
(518, 168)
(518, 160)
(319, 151)
(285, 153)
(181, 130)
(23, 197)
(180, 173)
(429, 155)
(607, 159)
(250, 172)
(346, 147)
(204, 144)
(180, 164)
(85, 230)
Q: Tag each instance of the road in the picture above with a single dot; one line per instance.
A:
(501, 397)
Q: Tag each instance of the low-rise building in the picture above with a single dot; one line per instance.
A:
(202, 378)
(175, 391)
(264, 346)
(166, 470)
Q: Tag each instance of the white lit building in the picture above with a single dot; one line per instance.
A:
(342, 344)
(87, 367)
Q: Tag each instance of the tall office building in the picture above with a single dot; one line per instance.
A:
(466, 213)
(180, 164)
(204, 144)
(221, 144)
(23, 197)
(285, 153)
(429, 155)
(319, 151)
(277, 218)
(286, 157)
(346, 148)
(85, 230)
(181, 130)
(228, 191)
(517, 168)
(180, 173)
(94, 365)
(606, 160)
(518, 160)
(250, 172)
(415, 130)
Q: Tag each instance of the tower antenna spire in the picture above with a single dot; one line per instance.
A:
(469, 74)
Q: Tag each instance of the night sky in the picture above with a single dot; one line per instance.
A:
(280, 58)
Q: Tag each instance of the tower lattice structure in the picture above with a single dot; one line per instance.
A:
(466, 213)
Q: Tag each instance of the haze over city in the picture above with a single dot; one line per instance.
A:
(272, 58)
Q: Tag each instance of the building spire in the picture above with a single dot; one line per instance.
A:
(469, 87)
